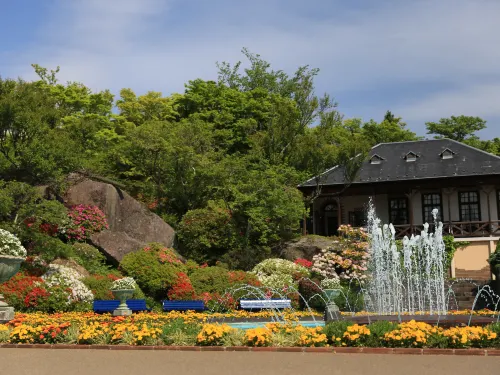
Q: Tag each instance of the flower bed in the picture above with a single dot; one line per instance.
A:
(187, 329)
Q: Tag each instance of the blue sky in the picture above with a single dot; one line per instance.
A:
(422, 59)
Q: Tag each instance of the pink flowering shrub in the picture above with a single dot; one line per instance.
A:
(85, 221)
(347, 259)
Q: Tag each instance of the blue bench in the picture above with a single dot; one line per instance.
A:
(183, 305)
(108, 306)
(259, 304)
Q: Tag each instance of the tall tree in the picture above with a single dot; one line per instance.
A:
(391, 129)
(458, 128)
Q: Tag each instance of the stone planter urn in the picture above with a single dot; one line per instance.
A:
(332, 310)
(123, 295)
(9, 266)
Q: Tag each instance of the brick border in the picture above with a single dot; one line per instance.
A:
(329, 350)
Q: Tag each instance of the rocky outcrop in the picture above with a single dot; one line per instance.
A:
(131, 224)
(306, 247)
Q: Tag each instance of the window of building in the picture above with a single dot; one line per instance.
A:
(376, 159)
(430, 202)
(357, 219)
(447, 154)
(411, 157)
(398, 211)
(330, 207)
(469, 206)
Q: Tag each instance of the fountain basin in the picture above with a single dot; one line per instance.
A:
(251, 325)
(440, 320)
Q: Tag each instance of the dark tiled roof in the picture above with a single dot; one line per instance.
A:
(389, 162)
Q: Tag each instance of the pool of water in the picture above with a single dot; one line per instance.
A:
(250, 325)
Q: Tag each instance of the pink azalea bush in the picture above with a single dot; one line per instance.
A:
(347, 259)
(85, 221)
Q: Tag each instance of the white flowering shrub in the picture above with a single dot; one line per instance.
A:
(125, 283)
(10, 245)
(347, 259)
(279, 273)
(71, 279)
(330, 283)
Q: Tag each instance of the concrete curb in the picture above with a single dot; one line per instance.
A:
(329, 350)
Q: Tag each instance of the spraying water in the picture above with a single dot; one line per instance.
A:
(407, 279)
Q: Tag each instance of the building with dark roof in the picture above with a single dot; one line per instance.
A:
(406, 181)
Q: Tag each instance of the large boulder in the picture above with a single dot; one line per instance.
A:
(131, 224)
(306, 247)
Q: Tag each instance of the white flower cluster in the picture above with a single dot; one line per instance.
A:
(277, 281)
(10, 245)
(125, 283)
(324, 266)
(330, 283)
(278, 273)
(68, 277)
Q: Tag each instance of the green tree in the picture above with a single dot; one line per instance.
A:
(391, 129)
(149, 107)
(293, 104)
(458, 128)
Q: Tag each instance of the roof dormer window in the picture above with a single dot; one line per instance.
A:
(411, 156)
(447, 154)
(376, 159)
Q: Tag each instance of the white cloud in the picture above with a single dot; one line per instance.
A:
(480, 100)
(151, 44)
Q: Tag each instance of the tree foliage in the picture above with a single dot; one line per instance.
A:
(220, 162)
(458, 128)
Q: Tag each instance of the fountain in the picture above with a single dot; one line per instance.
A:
(407, 280)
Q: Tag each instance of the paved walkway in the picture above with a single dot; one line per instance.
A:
(109, 362)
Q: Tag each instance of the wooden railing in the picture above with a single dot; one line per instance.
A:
(456, 229)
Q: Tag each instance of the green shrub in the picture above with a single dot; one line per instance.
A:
(178, 332)
(336, 329)
(210, 280)
(351, 299)
(14, 196)
(100, 286)
(45, 212)
(48, 248)
(206, 234)
(494, 260)
(90, 258)
(312, 294)
(377, 332)
(154, 268)
(4, 335)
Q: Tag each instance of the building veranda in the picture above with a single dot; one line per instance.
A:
(407, 181)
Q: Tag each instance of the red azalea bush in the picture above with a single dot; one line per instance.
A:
(303, 262)
(216, 302)
(182, 289)
(44, 227)
(242, 277)
(86, 220)
(163, 254)
(31, 293)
